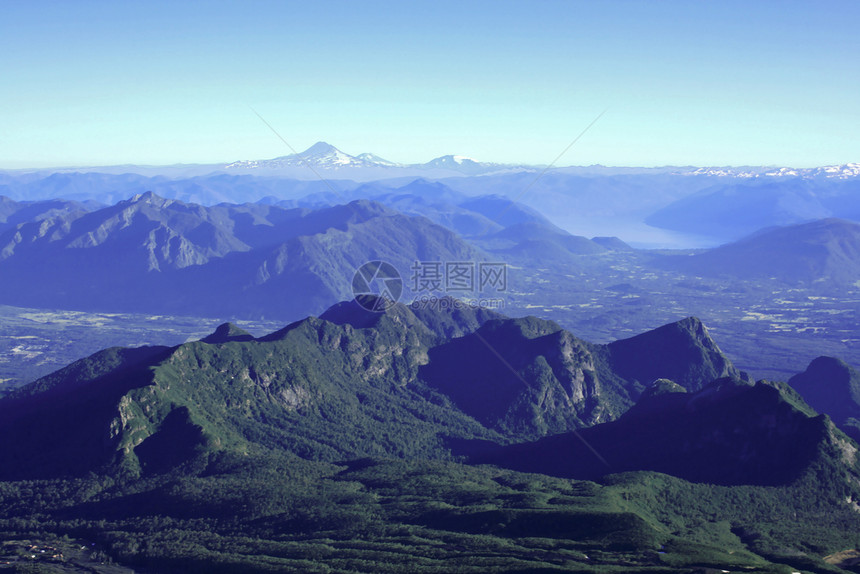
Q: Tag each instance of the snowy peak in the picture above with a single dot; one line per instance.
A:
(321, 149)
(375, 159)
(453, 161)
(321, 155)
(468, 166)
(326, 155)
(843, 171)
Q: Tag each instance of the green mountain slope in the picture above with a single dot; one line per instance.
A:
(331, 446)
(354, 383)
(317, 389)
(730, 432)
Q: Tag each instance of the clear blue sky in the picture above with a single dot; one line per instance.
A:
(685, 83)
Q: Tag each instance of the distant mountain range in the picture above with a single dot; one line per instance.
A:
(281, 259)
(209, 189)
(154, 255)
(327, 158)
(13, 213)
(731, 211)
(843, 171)
(324, 159)
(706, 205)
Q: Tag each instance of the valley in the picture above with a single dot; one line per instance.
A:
(767, 327)
(37, 342)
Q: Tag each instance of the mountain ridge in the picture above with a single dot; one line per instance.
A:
(327, 157)
(153, 254)
(531, 378)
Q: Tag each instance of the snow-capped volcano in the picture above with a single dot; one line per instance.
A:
(376, 160)
(466, 165)
(324, 157)
(320, 155)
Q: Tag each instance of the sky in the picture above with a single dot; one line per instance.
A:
(690, 82)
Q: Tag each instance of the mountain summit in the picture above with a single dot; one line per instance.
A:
(321, 155)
